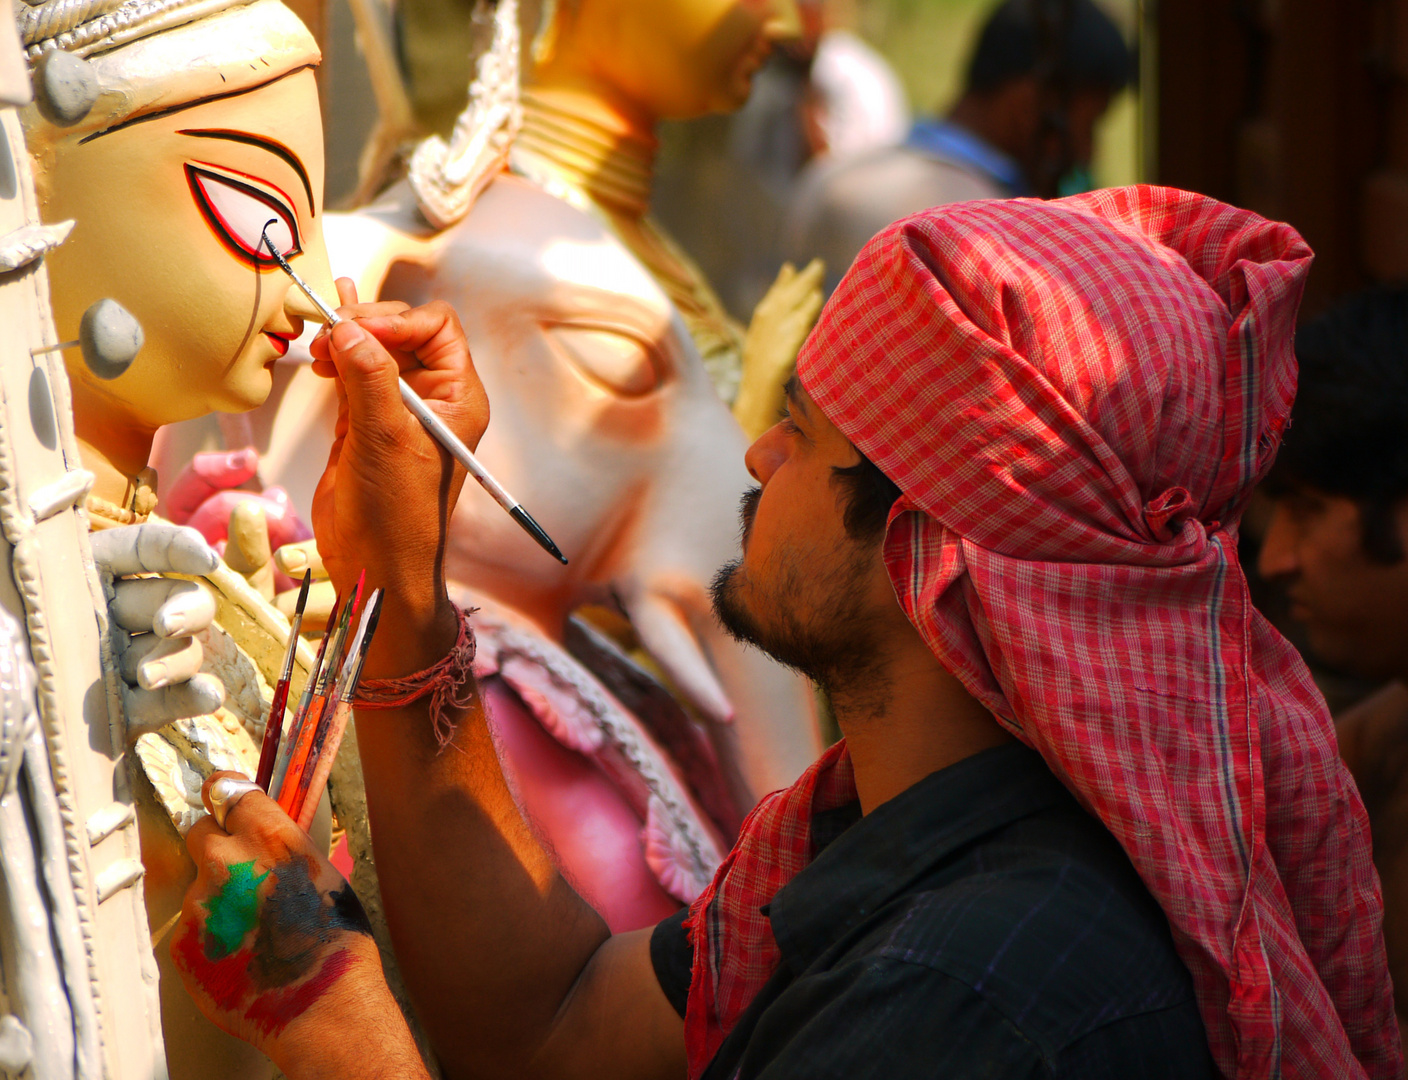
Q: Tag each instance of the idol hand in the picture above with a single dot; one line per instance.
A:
(385, 499)
(154, 621)
(292, 560)
(212, 495)
(781, 322)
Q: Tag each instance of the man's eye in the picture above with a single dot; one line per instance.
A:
(239, 212)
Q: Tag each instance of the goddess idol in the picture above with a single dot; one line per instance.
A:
(171, 133)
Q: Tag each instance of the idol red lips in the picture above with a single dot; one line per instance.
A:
(281, 343)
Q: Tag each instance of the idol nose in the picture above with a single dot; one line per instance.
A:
(313, 267)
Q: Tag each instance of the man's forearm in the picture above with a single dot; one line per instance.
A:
(489, 936)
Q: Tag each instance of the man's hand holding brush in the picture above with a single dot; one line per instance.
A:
(385, 499)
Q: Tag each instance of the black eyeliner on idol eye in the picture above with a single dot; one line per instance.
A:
(238, 212)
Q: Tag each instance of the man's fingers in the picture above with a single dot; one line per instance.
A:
(251, 815)
(370, 376)
(346, 291)
(153, 548)
(148, 710)
(152, 662)
(167, 606)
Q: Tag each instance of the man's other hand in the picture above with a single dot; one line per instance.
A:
(275, 948)
(385, 499)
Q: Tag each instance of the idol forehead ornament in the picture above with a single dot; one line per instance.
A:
(101, 63)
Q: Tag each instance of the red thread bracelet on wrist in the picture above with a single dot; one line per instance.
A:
(449, 682)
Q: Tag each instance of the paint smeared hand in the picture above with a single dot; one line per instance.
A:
(275, 948)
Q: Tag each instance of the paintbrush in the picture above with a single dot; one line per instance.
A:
(281, 760)
(447, 438)
(333, 723)
(317, 705)
(274, 726)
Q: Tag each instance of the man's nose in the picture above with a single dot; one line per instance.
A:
(766, 454)
(1278, 547)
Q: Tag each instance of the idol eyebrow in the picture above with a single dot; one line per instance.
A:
(274, 147)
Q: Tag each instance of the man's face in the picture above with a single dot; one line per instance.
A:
(1355, 609)
(804, 590)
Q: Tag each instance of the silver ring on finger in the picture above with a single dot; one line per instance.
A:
(224, 793)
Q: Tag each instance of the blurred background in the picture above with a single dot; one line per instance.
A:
(1293, 108)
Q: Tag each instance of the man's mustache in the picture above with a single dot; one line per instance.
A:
(747, 511)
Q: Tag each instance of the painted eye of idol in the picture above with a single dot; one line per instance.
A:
(237, 211)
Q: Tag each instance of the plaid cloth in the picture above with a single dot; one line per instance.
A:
(1076, 398)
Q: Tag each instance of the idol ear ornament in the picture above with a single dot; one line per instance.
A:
(109, 336)
(65, 88)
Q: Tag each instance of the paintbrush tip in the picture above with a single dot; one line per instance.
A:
(303, 592)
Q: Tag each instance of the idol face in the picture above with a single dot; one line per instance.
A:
(676, 59)
(171, 209)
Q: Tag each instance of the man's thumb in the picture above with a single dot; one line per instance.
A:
(369, 375)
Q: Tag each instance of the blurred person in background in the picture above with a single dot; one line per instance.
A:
(1337, 540)
(1041, 75)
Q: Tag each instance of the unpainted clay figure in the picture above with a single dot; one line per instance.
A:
(607, 427)
(600, 76)
(172, 133)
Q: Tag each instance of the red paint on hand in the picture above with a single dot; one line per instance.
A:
(227, 981)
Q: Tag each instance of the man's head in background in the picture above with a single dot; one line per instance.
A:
(1338, 534)
(1041, 75)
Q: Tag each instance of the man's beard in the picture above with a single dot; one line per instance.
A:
(813, 622)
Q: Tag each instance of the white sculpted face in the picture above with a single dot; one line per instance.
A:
(607, 428)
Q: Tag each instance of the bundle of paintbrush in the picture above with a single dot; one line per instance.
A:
(301, 761)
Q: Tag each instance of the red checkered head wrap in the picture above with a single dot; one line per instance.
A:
(1075, 398)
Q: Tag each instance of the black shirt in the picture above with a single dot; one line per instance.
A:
(980, 924)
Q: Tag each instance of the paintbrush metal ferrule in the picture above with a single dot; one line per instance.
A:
(330, 314)
(354, 675)
(437, 427)
(358, 645)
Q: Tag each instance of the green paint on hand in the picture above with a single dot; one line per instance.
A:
(234, 912)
